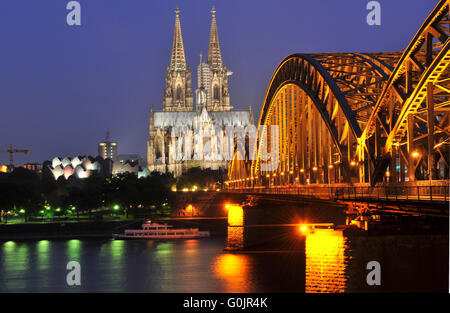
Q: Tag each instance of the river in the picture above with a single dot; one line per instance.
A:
(326, 263)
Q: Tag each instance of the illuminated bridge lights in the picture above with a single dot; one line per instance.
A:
(325, 118)
(235, 214)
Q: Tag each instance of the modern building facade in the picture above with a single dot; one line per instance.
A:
(79, 167)
(181, 136)
(84, 166)
(107, 148)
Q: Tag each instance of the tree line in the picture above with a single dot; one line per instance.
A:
(27, 194)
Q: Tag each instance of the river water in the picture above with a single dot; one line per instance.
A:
(326, 263)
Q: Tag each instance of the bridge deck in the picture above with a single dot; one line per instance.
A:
(409, 194)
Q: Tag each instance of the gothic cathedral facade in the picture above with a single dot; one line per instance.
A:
(182, 136)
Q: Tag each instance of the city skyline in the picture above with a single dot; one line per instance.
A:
(64, 86)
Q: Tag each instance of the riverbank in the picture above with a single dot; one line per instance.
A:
(98, 229)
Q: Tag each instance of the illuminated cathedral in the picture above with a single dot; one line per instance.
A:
(182, 136)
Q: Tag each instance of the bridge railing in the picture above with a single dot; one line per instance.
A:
(436, 193)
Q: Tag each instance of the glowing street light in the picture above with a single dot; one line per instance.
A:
(302, 228)
(415, 154)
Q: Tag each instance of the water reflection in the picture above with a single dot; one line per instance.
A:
(15, 260)
(73, 249)
(191, 247)
(235, 238)
(325, 261)
(233, 269)
(43, 254)
(329, 262)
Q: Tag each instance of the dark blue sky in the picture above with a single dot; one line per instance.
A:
(61, 87)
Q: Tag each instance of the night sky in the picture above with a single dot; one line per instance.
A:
(61, 87)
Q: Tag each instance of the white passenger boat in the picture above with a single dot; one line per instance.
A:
(152, 230)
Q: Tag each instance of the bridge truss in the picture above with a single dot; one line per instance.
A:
(357, 117)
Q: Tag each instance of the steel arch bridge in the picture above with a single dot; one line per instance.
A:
(356, 118)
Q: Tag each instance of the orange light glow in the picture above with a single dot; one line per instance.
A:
(330, 166)
(325, 262)
(235, 215)
(233, 269)
(3, 168)
(352, 163)
(415, 154)
(302, 170)
(315, 168)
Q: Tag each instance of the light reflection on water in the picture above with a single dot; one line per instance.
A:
(325, 261)
(328, 262)
(233, 269)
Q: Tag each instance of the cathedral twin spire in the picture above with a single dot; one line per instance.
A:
(178, 59)
(178, 94)
(214, 54)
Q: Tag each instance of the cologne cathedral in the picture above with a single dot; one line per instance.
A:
(183, 136)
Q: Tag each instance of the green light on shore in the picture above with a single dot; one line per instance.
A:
(116, 207)
(58, 210)
(22, 211)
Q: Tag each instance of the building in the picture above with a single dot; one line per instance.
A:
(107, 148)
(84, 166)
(36, 167)
(123, 158)
(79, 167)
(181, 136)
(131, 167)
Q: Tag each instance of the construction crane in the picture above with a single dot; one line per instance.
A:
(11, 152)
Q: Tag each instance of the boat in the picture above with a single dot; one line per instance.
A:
(151, 230)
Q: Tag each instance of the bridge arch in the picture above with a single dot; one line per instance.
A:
(344, 117)
(411, 117)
